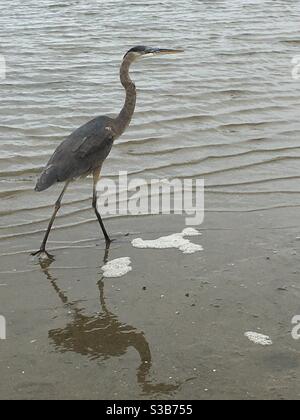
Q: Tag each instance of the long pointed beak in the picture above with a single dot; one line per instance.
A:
(157, 51)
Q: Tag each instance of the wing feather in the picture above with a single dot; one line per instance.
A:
(80, 153)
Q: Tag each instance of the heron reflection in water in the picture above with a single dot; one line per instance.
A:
(102, 336)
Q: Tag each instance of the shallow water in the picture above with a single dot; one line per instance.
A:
(226, 110)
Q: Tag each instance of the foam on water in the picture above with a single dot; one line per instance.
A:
(257, 338)
(176, 240)
(117, 267)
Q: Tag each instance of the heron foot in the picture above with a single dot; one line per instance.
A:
(108, 241)
(43, 254)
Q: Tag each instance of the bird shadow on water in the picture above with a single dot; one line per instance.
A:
(102, 335)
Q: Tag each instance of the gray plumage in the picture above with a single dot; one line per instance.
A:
(80, 153)
(84, 151)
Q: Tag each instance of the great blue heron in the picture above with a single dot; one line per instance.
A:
(84, 151)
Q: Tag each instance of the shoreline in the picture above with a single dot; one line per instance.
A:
(173, 327)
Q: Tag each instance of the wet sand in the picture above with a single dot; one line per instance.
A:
(171, 328)
(227, 110)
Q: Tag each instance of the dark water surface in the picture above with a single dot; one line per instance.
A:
(226, 110)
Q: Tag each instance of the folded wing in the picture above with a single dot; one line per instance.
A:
(80, 153)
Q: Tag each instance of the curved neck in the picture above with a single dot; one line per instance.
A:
(124, 118)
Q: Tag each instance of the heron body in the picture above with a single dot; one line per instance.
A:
(84, 151)
(80, 154)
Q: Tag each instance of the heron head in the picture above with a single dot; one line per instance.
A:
(142, 51)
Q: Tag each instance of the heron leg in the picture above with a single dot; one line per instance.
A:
(96, 175)
(56, 208)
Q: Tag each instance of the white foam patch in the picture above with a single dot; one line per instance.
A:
(263, 340)
(176, 240)
(117, 268)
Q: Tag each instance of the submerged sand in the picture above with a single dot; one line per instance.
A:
(173, 327)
